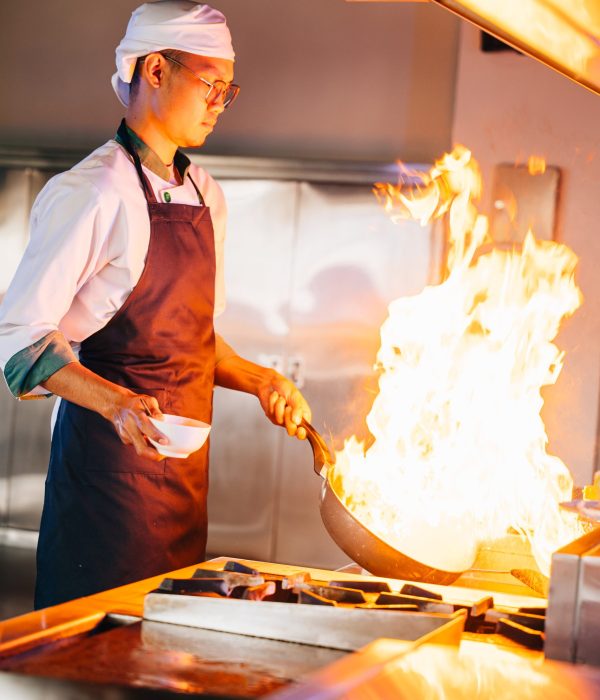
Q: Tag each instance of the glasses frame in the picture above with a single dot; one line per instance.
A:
(211, 86)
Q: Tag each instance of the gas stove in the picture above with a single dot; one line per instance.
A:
(332, 610)
(231, 622)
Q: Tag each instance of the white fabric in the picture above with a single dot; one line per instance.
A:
(170, 24)
(89, 235)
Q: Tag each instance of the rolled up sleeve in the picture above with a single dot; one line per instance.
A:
(28, 368)
(63, 251)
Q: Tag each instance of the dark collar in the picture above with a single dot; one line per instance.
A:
(151, 160)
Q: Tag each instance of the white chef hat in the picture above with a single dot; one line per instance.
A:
(184, 25)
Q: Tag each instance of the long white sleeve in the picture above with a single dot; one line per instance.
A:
(65, 248)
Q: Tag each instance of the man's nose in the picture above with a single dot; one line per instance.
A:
(216, 108)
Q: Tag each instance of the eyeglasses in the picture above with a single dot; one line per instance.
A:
(219, 91)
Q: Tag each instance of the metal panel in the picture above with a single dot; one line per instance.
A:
(562, 606)
(30, 439)
(29, 464)
(13, 218)
(15, 203)
(7, 416)
(244, 444)
(573, 600)
(588, 638)
(350, 262)
(18, 187)
(523, 202)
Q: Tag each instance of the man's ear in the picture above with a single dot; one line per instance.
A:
(153, 69)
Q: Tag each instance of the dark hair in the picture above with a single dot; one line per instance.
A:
(137, 71)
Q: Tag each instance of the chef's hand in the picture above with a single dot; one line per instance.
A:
(133, 425)
(279, 397)
(121, 407)
(283, 404)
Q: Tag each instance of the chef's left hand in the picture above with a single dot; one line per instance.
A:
(283, 404)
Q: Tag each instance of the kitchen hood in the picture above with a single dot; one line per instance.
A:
(563, 34)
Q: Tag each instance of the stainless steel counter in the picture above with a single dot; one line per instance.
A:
(389, 669)
(102, 639)
(160, 656)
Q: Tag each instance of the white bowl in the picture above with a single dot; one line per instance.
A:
(185, 435)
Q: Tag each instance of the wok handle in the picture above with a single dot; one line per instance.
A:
(322, 455)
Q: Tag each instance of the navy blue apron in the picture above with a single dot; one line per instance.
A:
(111, 517)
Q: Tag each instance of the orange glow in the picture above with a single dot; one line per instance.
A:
(536, 165)
(459, 451)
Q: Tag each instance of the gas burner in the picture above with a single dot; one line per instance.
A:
(238, 581)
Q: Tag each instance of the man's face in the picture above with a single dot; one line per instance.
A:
(186, 116)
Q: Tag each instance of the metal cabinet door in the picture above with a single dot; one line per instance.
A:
(350, 262)
(25, 427)
(244, 444)
(7, 413)
(29, 463)
(13, 237)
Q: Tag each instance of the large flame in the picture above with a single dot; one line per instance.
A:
(459, 451)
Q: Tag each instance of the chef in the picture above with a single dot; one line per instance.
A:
(112, 309)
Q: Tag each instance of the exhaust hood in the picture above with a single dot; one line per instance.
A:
(563, 34)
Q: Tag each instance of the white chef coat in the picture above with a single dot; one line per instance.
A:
(89, 235)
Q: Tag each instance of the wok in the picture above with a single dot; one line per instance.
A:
(355, 539)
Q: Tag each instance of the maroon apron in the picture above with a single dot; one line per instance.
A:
(111, 517)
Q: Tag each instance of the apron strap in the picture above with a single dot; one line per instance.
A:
(200, 197)
(123, 134)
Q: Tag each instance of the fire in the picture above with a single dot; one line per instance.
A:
(459, 452)
(536, 165)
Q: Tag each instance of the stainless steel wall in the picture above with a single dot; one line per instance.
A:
(310, 270)
(25, 426)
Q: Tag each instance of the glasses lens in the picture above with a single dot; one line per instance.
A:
(230, 95)
(222, 93)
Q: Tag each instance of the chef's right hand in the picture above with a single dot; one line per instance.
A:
(133, 425)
